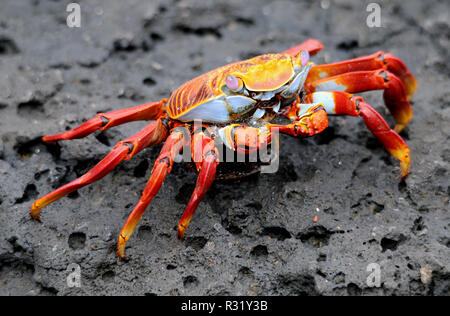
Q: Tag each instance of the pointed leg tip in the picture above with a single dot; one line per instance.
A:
(403, 155)
(121, 254)
(48, 140)
(404, 175)
(37, 219)
(404, 166)
(403, 117)
(180, 232)
(35, 212)
(121, 248)
(399, 128)
(410, 86)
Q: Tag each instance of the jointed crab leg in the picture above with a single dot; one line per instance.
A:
(342, 103)
(103, 121)
(163, 165)
(395, 96)
(206, 157)
(377, 61)
(151, 135)
(312, 45)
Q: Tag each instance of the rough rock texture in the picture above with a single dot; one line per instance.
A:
(255, 236)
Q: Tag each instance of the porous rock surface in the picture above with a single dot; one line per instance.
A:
(250, 237)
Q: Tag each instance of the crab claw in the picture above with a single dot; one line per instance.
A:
(311, 121)
(315, 120)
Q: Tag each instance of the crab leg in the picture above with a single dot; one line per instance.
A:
(151, 135)
(342, 103)
(163, 165)
(395, 96)
(377, 61)
(312, 45)
(103, 121)
(205, 156)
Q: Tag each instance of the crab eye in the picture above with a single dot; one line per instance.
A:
(304, 57)
(233, 83)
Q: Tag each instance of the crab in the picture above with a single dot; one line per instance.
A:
(247, 98)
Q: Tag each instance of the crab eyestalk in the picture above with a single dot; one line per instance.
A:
(303, 57)
(233, 83)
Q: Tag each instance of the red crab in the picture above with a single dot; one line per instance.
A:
(242, 99)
